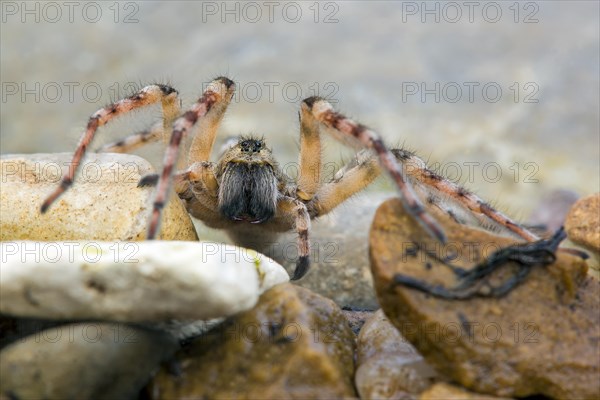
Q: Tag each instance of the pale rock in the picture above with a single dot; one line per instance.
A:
(104, 203)
(132, 281)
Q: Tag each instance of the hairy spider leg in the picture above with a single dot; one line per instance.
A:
(148, 95)
(324, 113)
(218, 91)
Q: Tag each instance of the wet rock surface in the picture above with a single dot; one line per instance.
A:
(388, 366)
(104, 203)
(293, 344)
(83, 361)
(583, 222)
(541, 338)
(132, 281)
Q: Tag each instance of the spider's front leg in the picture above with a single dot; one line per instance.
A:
(198, 188)
(158, 131)
(347, 130)
(309, 177)
(297, 210)
(205, 114)
(148, 95)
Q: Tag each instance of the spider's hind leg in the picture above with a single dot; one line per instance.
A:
(139, 139)
(445, 194)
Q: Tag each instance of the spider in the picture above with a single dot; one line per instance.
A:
(246, 194)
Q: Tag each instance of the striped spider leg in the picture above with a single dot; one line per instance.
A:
(217, 95)
(406, 168)
(155, 133)
(346, 130)
(150, 94)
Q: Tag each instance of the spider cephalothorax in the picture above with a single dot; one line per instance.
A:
(249, 182)
(246, 194)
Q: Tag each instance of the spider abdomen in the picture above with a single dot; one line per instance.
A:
(248, 192)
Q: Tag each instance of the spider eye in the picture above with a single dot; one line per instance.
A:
(251, 146)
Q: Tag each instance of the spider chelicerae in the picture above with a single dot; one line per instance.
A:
(246, 194)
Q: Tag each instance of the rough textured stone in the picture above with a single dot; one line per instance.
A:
(83, 361)
(541, 338)
(389, 367)
(104, 203)
(293, 344)
(132, 281)
(445, 391)
(583, 222)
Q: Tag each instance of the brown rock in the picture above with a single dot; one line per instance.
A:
(389, 367)
(583, 222)
(446, 391)
(356, 319)
(293, 344)
(541, 338)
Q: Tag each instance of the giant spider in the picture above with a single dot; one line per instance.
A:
(246, 194)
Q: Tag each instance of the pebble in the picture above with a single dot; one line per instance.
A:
(447, 391)
(583, 222)
(539, 339)
(83, 361)
(388, 366)
(132, 281)
(104, 203)
(293, 344)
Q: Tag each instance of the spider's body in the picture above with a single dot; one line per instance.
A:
(249, 182)
(246, 194)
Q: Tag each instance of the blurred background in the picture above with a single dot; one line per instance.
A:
(501, 96)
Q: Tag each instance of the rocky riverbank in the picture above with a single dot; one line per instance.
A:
(90, 312)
